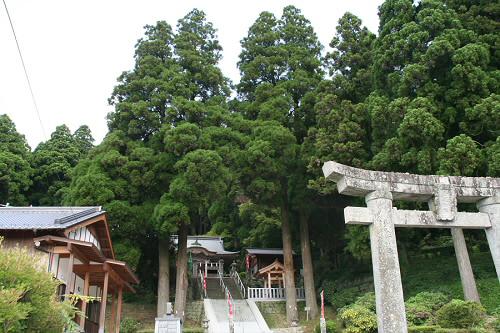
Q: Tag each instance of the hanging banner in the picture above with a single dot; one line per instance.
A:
(230, 305)
(323, 304)
(248, 263)
(205, 282)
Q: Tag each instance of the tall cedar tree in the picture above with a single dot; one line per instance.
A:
(280, 67)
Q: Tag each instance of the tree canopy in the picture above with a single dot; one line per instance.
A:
(189, 152)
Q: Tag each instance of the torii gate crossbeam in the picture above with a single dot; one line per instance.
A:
(442, 194)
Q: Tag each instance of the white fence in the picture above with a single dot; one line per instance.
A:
(271, 294)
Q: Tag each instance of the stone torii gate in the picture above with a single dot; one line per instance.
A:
(442, 194)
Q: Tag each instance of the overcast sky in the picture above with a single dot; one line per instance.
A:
(74, 50)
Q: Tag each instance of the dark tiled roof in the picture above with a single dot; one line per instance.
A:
(26, 218)
(210, 243)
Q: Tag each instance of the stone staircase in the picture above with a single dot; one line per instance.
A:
(214, 291)
(246, 316)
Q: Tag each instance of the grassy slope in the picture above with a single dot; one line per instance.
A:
(441, 274)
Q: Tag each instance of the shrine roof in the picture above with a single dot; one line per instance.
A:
(212, 244)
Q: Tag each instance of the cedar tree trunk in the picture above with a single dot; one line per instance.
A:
(291, 297)
(163, 276)
(305, 247)
(182, 277)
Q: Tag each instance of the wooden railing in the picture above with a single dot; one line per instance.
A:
(236, 277)
(273, 293)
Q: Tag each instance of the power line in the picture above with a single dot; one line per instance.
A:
(25, 71)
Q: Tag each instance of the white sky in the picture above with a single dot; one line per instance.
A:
(74, 50)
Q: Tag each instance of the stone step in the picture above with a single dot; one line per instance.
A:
(243, 317)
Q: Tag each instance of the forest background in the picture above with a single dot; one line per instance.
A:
(188, 152)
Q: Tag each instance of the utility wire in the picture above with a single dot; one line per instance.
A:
(25, 71)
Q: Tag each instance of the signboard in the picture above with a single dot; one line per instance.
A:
(169, 324)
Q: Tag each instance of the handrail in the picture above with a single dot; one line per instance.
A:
(227, 293)
(204, 292)
(236, 277)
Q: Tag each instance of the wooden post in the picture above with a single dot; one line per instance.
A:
(86, 285)
(69, 274)
(119, 310)
(113, 312)
(104, 299)
(269, 280)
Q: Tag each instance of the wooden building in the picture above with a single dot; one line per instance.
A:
(258, 258)
(74, 244)
(266, 266)
(208, 254)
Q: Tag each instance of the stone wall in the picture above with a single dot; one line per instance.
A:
(195, 312)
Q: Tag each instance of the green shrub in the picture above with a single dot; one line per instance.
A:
(358, 319)
(331, 327)
(461, 330)
(344, 297)
(460, 314)
(496, 324)
(329, 287)
(420, 309)
(28, 294)
(129, 325)
(421, 329)
(367, 301)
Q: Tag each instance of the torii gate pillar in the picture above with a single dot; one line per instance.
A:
(390, 303)
(442, 193)
(491, 206)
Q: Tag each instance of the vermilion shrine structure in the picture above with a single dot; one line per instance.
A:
(442, 193)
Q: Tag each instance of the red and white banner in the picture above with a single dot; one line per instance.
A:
(205, 281)
(230, 305)
(322, 304)
(248, 263)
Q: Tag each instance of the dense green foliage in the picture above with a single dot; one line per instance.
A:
(27, 295)
(421, 308)
(420, 96)
(331, 327)
(460, 314)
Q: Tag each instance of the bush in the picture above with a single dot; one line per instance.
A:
(358, 319)
(344, 297)
(129, 325)
(460, 330)
(367, 301)
(329, 287)
(28, 294)
(331, 327)
(421, 329)
(420, 309)
(460, 314)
